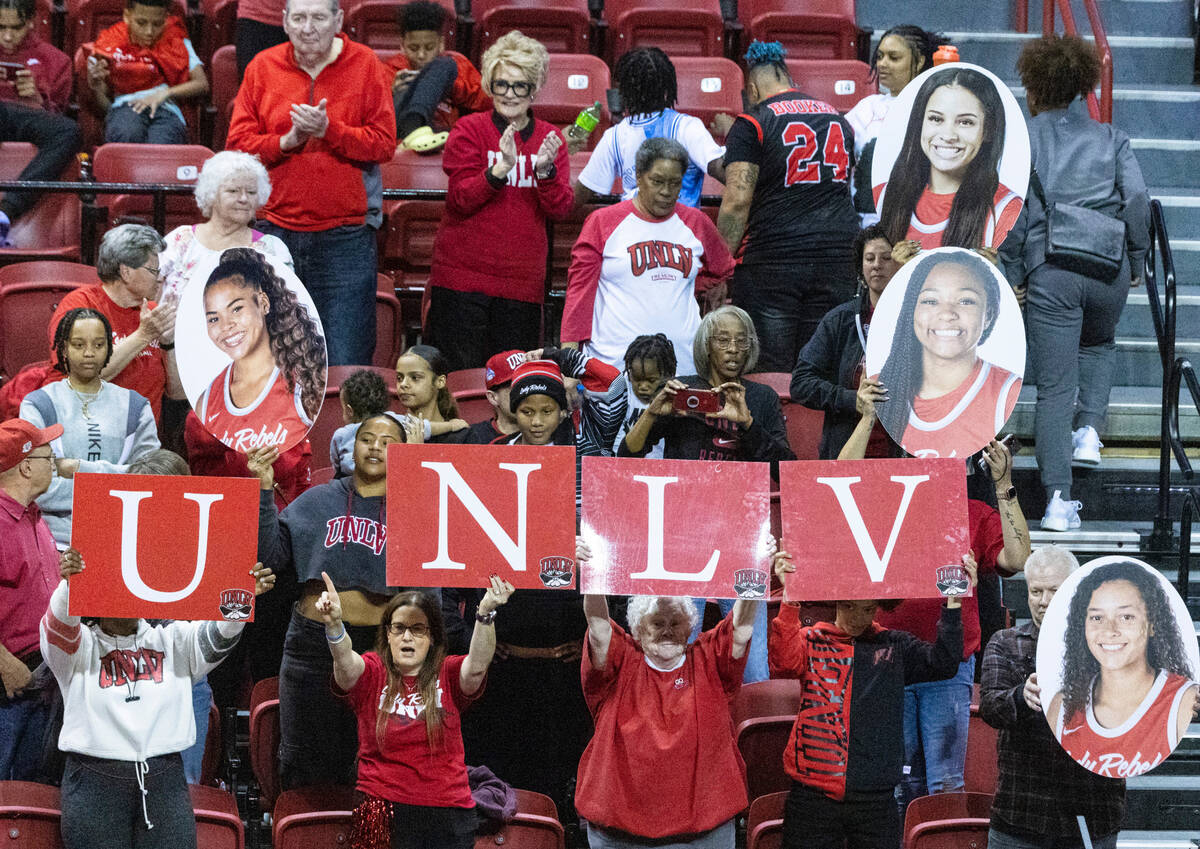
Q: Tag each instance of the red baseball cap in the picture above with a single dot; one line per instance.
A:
(500, 367)
(18, 437)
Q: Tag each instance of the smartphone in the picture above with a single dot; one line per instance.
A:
(698, 400)
(1011, 442)
(8, 70)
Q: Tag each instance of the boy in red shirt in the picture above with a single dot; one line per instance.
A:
(34, 89)
(432, 86)
(138, 68)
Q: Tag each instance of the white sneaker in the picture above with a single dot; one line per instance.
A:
(1061, 515)
(1087, 446)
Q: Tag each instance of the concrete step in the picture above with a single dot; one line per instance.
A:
(1121, 17)
(1181, 206)
(1137, 360)
(1186, 253)
(1134, 416)
(1163, 112)
(1155, 839)
(1127, 17)
(1136, 321)
(1168, 162)
(1137, 59)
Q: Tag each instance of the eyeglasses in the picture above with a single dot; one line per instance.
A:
(519, 89)
(49, 457)
(153, 270)
(726, 343)
(419, 630)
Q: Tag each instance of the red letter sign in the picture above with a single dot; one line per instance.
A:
(676, 527)
(460, 513)
(865, 529)
(164, 547)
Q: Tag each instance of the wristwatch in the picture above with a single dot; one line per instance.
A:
(1008, 494)
(485, 618)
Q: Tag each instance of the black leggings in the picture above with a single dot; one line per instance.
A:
(414, 826)
(811, 820)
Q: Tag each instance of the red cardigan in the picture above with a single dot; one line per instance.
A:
(493, 240)
(323, 183)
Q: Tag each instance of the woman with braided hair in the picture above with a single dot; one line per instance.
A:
(272, 390)
(1128, 689)
(645, 79)
(934, 390)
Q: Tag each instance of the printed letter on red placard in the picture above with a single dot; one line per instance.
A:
(513, 551)
(876, 564)
(655, 520)
(129, 537)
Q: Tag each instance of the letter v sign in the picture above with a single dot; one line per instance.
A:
(876, 564)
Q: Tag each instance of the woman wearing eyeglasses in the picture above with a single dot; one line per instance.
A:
(637, 264)
(508, 172)
(407, 696)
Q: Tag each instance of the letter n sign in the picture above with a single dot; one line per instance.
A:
(864, 529)
(457, 514)
(164, 547)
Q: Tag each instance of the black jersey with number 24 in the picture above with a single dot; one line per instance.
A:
(804, 151)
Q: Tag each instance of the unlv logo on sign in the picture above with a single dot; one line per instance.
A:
(164, 547)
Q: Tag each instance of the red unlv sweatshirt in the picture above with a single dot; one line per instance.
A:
(493, 236)
(327, 182)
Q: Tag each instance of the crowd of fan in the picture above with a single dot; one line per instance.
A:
(299, 185)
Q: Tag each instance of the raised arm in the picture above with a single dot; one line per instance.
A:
(869, 392)
(483, 638)
(348, 664)
(1012, 557)
(595, 610)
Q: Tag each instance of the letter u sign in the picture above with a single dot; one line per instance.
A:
(130, 502)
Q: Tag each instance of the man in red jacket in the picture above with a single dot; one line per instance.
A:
(318, 112)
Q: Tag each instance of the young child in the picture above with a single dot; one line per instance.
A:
(421, 384)
(497, 380)
(363, 396)
(432, 86)
(138, 68)
(846, 750)
(649, 362)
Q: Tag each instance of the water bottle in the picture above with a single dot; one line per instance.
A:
(585, 122)
(945, 53)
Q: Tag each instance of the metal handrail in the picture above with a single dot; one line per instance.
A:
(1102, 109)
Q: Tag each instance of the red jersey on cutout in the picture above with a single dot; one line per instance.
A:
(146, 374)
(961, 422)
(407, 770)
(275, 417)
(932, 214)
(1135, 746)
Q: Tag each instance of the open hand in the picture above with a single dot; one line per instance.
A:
(583, 551)
(149, 101)
(261, 463)
(497, 595)
(546, 153)
(870, 392)
(508, 149)
(734, 408)
(905, 249)
(782, 565)
(70, 562)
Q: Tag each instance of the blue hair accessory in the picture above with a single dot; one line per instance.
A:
(764, 53)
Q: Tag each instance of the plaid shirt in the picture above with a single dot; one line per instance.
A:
(1041, 789)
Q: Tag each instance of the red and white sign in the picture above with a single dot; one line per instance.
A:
(676, 527)
(164, 547)
(458, 514)
(872, 529)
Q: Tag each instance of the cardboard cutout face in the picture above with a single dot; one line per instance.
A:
(948, 343)
(233, 362)
(955, 127)
(1117, 664)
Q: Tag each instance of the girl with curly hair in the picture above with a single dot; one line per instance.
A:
(1128, 689)
(272, 390)
(936, 394)
(954, 140)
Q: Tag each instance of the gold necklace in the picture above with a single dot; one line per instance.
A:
(85, 398)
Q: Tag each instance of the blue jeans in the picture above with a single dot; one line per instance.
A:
(337, 267)
(936, 717)
(193, 758)
(756, 664)
(1000, 840)
(22, 728)
(125, 125)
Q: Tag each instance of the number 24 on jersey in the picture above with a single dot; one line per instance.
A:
(803, 165)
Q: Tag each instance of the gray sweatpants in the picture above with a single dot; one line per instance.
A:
(1070, 322)
(102, 804)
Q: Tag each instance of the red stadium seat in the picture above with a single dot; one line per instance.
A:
(218, 29)
(29, 815)
(313, 816)
(218, 824)
(330, 419)
(389, 324)
(839, 82)
(407, 252)
(564, 26)
(374, 23)
(150, 163)
(764, 823)
(814, 29)
(773, 697)
(708, 86)
(48, 271)
(51, 228)
(688, 29)
(224, 78)
(43, 20)
(25, 311)
(763, 715)
(264, 722)
(983, 767)
(534, 826)
(940, 821)
(803, 424)
(466, 383)
(575, 82)
(88, 18)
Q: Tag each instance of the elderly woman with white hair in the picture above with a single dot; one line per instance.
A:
(230, 190)
(663, 767)
(508, 172)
